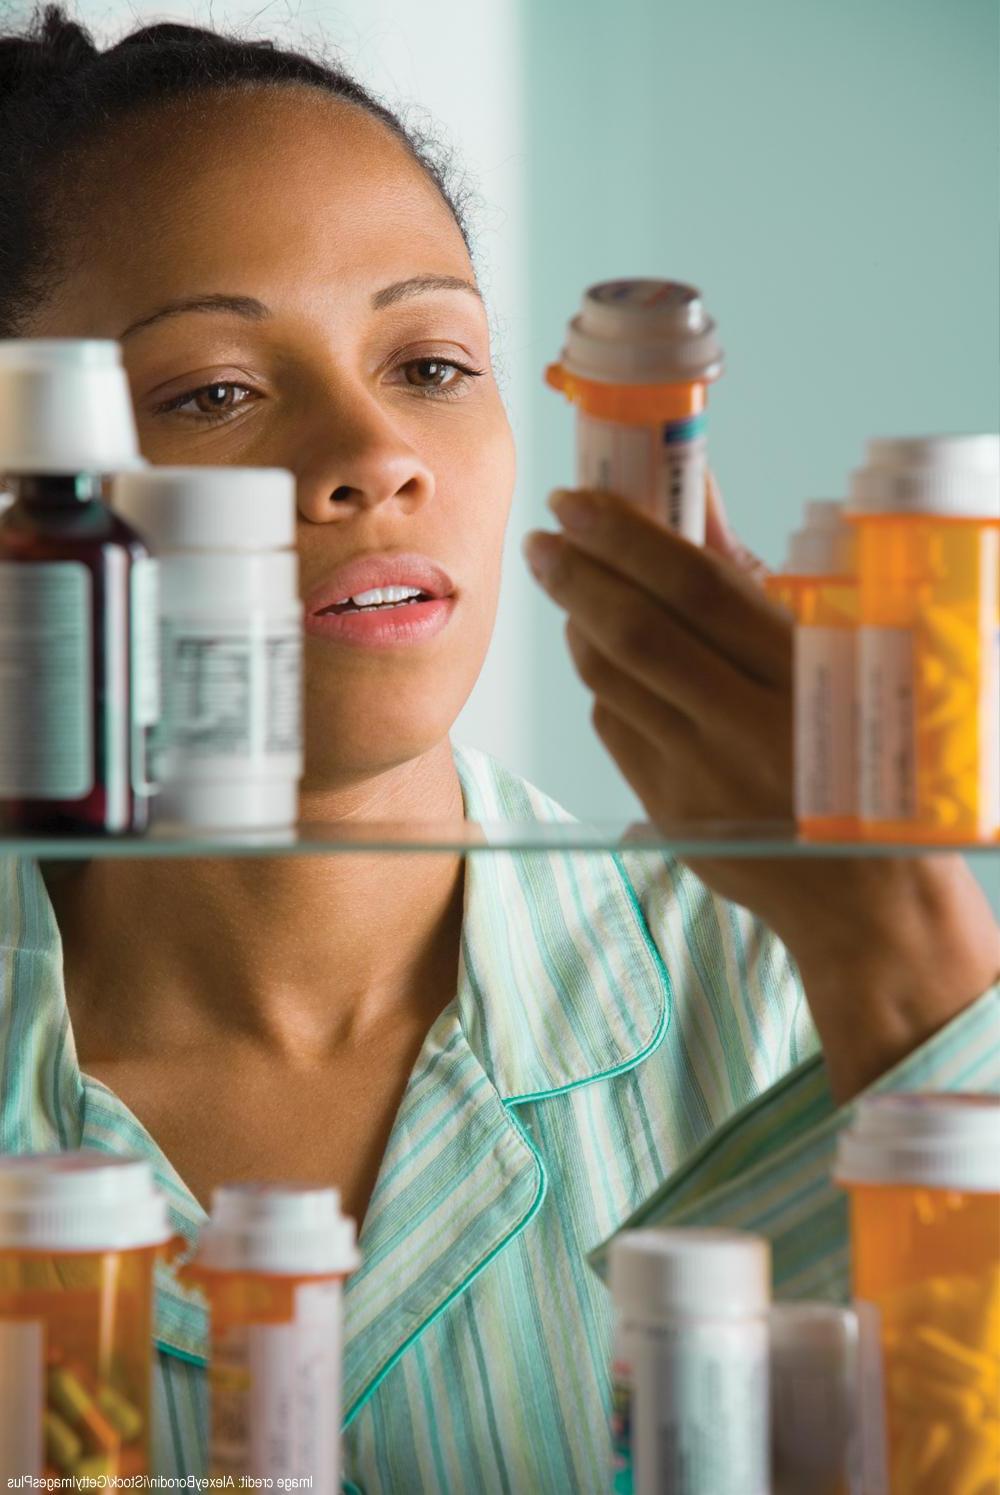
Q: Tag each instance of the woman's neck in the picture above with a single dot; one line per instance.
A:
(297, 953)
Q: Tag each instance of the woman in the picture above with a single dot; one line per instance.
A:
(496, 1063)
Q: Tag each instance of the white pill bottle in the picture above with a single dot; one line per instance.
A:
(228, 752)
(271, 1261)
(638, 359)
(691, 1363)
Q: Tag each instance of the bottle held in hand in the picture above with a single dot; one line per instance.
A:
(638, 360)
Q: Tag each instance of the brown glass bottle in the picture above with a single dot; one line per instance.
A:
(67, 572)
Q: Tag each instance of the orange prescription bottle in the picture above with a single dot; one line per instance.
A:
(271, 1260)
(80, 1233)
(638, 359)
(927, 512)
(923, 1173)
(819, 588)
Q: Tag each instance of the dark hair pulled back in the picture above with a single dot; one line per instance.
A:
(60, 93)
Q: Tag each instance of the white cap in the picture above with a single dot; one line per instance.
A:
(79, 1201)
(278, 1229)
(956, 476)
(935, 1140)
(826, 543)
(664, 1274)
(65, 406)
(208, 508)
(642, 332)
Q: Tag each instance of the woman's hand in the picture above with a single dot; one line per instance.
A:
(689, 662)
(691, 669)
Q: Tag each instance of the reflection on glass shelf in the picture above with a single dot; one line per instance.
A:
(691, 839)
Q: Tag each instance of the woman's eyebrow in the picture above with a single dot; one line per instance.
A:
(243, 306)
(402, 289)
(256, 311)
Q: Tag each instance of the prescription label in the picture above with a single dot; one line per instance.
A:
(283, 710)
(660, 469)
(275, 1394)
(145, 641)
(621, 1428)
(888, 766)
(22, 1398)
(989, 753)
(825, 721)
(206, 690)
(144, 666)
(46, 680)
(697, 1414)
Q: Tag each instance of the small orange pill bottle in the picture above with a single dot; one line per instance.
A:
(927, 511)
(271, 1261)
(819, 587)
(923, 1173)
(80, 1234)
(637, 362)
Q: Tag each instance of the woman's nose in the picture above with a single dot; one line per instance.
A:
(380, 468)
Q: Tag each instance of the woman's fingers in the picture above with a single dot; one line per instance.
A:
(640, 636)
(666, 727)
(710, 596)
(642, 765)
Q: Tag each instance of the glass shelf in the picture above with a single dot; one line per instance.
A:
(691, 840)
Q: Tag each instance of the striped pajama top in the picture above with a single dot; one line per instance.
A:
(623, 1047)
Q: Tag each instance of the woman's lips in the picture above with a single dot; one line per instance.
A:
(387, 626)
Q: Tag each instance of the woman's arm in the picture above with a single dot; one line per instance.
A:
(691, 669)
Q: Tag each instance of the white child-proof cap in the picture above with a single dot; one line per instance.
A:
(826, 544)
(690, 1273)
(208, 508)
(278, 1229)
(65, 407)
(933, 1140)
(79, 1201)
(642, 332)
(953, 476)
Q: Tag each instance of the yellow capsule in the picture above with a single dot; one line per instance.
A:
(974, 1468)
(985, 1318)
(68, 1395)
(917, 1457)
(125, 1418)
(62, 1445)
(917, 1392)
(96, 1465)
(938, 1354)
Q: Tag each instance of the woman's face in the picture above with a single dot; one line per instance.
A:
(303, 212)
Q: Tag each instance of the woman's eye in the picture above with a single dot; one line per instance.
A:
(435, 371)
(208, 402)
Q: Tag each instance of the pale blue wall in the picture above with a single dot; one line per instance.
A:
(828, 174)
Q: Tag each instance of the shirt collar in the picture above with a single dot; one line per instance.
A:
(561, 982)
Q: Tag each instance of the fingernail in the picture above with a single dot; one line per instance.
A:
(574, 509)
(541, 551)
